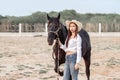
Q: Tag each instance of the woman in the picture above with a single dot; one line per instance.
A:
(72, 47)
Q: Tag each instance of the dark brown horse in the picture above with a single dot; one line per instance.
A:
(57, 30)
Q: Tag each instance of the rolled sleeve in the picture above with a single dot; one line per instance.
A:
(63, 47)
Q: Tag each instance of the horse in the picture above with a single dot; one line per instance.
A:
(57, 31)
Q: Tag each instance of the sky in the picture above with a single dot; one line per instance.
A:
(27, 7)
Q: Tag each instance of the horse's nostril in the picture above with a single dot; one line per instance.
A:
(50, 41)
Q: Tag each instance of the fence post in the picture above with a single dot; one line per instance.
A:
(46, 29)
(99, 28)
(20, 25)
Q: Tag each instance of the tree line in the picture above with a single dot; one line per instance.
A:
(110, 22)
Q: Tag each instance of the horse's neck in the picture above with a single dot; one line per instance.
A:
(63, 34)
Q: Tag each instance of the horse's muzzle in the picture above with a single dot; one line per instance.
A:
(50, 41)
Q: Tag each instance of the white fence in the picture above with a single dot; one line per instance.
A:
(92, 34)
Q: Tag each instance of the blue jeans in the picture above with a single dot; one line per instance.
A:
(70, 67)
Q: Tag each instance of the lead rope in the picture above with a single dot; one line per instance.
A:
(57, 39)
(58, 59)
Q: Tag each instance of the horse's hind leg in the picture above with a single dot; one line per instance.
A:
(87, 64)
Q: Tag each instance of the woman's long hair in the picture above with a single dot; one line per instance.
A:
(69, 33)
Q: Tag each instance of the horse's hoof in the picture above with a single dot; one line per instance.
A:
(61, 73)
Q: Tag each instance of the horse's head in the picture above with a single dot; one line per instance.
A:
(53, 28)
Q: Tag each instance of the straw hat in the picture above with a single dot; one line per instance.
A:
(79, 24)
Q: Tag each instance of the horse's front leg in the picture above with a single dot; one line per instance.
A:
(56, 69)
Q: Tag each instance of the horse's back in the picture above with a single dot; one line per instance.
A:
(86, 44)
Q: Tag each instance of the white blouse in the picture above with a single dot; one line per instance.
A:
(74, 45)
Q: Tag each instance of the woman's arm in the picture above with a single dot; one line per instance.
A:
(79, 52)
(79, 48)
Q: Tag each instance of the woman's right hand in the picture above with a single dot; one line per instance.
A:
(76, 66)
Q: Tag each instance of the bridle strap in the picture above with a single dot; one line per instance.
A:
(57, 39)
(56, 32)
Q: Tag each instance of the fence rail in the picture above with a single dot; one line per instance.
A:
(38, 34)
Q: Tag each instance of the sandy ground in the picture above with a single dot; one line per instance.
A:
(29, 58)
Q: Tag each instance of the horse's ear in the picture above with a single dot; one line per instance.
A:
(59, 16)
(48, 17)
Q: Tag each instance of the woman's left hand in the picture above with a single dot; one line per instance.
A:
(76, 66)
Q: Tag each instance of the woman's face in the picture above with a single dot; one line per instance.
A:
(72, 27)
